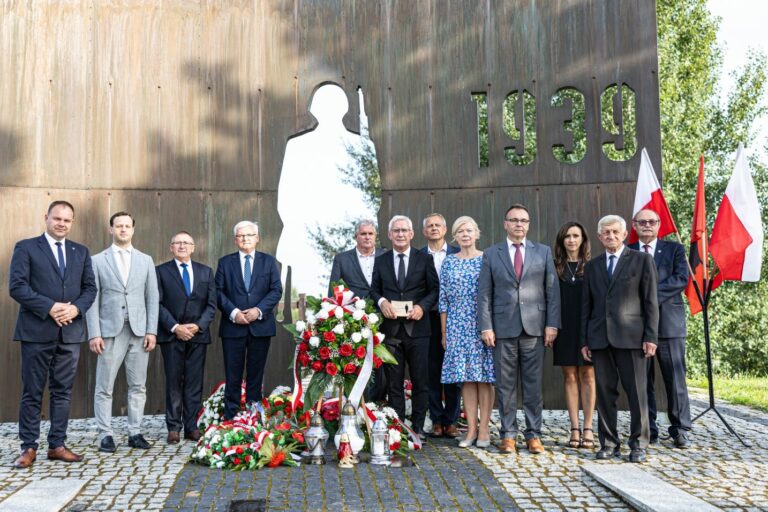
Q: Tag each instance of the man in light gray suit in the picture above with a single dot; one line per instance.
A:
(518, 313)
(122, 326)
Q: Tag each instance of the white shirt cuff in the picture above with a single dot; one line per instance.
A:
(233, 314)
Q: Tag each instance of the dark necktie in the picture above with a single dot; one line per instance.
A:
(518, 261)
(185, 278)
(247, 272)
(62, 266)
(611, 261)
(647, 248)
(401, 271)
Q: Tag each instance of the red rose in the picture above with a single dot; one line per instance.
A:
(239, 450)
(349, 368)
(236, 462)
(331, 369)
(376, 340)
(324, 352)
(303, 347)
(357, 370)
(377, 362)
(394, 446)
(304, 359)
(317, 366)
(345, 350)
(289, 408)
(306, 335)
(360, 352)
(329, 336)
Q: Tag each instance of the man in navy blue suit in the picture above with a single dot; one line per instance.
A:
(187, 308)
(52, 280)
(248, 288)
(443, 415)
(673, 277)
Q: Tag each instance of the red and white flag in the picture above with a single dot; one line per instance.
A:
(736, 243)
(648, 196)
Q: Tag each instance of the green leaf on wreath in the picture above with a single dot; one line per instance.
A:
(315, 390)
(291, 328)
(313, 303)
(385, 355)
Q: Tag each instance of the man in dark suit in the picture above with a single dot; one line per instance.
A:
(673, 277)
(248, 288)
(619, 324)
(518, 313)
(405, 287)
(187, 308)
(355, 268)
(52, 280)
(443, 415)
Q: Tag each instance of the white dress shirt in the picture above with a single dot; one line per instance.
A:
(123, 260)
(439, 256)
(396, 257)
(52, 242)
(608, 255)
(189, 271)
(242, 275)
(651, 246)
(512, 249)
(366, 264)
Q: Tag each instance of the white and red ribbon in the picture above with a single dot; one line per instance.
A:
(298, 389)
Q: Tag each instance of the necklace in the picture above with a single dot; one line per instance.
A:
(570, 270)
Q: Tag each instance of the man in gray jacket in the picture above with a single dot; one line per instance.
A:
(518, 313)
(122, 326)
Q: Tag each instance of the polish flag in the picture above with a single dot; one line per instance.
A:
(648, 196)
(736, 244)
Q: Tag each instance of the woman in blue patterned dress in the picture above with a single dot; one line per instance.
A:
(467, 359)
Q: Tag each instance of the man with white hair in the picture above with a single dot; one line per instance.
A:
(248, 288)
(620, 320)
(405, 287)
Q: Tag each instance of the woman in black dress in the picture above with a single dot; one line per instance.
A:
(571, 253)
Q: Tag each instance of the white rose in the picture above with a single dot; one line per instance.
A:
(365, 332)
(357, 314)
(373, 318)
(381, 337)
(394, 435)
(327, 306)
(314, 341)
(322, 315)
(360, 304)
(339, 329)
(311, 318)
(339, 313)
(301, 325)
(356, 337)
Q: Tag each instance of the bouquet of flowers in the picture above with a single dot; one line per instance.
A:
(399, 442)
(333, 341)
(212, 411)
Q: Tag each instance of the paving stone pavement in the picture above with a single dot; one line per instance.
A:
(716, 469)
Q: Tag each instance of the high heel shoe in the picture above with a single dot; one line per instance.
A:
(467, 442)
(483, 443)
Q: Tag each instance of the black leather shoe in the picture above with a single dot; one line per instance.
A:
(608, 453)
(138, 441)
(637, 455)
(654, 439)
(107, 445)
(681, 440)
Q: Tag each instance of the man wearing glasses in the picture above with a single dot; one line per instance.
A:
(518, 313)
(405, 287)
(187, 308)
(248, 288)
(673, 277)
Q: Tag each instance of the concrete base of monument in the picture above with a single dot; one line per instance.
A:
(642, 490)
(45, 495)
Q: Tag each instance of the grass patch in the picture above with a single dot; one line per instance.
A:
(740, 389)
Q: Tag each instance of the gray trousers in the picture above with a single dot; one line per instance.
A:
(523, 356)
(129, 348)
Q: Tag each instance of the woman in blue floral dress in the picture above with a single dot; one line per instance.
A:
(467, 359)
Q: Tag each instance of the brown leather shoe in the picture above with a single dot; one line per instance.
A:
(437, 430)
(451, 431)
(508, 445)
(535, 446)
(192, 436)
(64, 454)
(26, 459)
(173, 437)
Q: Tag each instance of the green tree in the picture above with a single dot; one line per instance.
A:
(695, 121)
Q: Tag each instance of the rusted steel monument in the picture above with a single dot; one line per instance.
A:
(179, 111)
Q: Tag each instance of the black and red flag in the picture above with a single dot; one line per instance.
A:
(698, 254)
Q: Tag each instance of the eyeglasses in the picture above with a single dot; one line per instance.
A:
(518, 221)
(652, 222)
(400, 231)
(183, 244)
(246, 236)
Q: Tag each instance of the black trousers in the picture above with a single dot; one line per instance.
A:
(248, 353)
(671, 356)
(630, 367)
(53, 363)
(184, 363)
(376, 391)
(441, 413)
(414, 352)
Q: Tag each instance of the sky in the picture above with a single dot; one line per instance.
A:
(742, 27)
